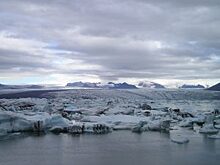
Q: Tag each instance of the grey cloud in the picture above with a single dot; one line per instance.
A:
(114, 34)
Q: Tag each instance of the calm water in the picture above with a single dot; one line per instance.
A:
(122, 147)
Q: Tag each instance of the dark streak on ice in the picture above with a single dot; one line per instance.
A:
(32, 94)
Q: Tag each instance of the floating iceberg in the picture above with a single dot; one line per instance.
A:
(180, 139)
(208, 129)
(19, 122)
(217, 136)
(100, 111)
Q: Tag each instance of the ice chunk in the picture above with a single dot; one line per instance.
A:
(188, 122)
(159, 125)
(217, 126)
(140, 127)
(57, 129)
(19, 122)
(57, 120)
(22, 104)
(208, 129)
(3, 133)
(75, 129)
(180, 139)
(12, 122)
(97, 128)
(123, 126)
(217, 136)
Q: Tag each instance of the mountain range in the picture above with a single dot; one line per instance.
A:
(188, 86)
(148, 84)
(215, 87)
(109, 85)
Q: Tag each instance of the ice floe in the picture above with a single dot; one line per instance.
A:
(101, 111)
(179, 139)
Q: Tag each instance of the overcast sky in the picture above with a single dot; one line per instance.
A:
(59, 41)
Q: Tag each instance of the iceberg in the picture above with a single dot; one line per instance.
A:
(217, 136)
(159, 125)
(208, 129)
(20, 122)
(179, 139)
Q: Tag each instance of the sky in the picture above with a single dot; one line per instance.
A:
(58, 41)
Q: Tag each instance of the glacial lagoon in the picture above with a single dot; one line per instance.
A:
(118, 147)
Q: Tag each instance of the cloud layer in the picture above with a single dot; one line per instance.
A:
(110, 40)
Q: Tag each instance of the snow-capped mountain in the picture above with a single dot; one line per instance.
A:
(191, 86)
(123, 85)
(109, 85)
(215, 87)
(148, 84)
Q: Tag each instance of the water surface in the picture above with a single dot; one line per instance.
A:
(122, 147)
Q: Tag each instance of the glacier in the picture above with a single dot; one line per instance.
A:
(103, 111)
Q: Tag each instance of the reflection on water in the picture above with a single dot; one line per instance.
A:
(122, 147)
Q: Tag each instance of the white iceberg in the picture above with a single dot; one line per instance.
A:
(208, 129)
(20, 122)
(217, 136)
(159, 125)
(180, 139)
